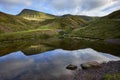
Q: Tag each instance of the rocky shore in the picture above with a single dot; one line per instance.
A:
(112, 68)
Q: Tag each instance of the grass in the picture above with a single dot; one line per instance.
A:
(115, 76)
(35, 15)
(65, 22)
(11, 23)
(30, 34)
(102, 29)
(47, 21)
(30, 19)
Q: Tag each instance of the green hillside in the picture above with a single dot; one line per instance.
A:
(54, 22)
(82, 26)
(86, 18)
(20, 22)
(107, 27)
(30, 19)
(64, 22)
(102, 29)
(12, 23)
(114, 15)
(35, 15)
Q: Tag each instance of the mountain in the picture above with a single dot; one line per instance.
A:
(86, 18)
(51, 21)
(67, 22)
(26, 20)
(107, 27)
(82, 26)
(35, 15)
(29, 19)
(12, 23)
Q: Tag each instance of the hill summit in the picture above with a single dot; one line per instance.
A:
(35, 15)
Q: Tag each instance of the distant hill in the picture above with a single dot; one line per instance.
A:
(35, 15)
(107, 27)
(11, 23)
(67, 21)
(86, 18)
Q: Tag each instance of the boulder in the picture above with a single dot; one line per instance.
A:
(92, 64)
(71, 67)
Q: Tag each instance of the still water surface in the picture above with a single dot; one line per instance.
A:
(49, 65)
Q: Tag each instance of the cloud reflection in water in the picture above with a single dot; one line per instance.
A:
(48, 65)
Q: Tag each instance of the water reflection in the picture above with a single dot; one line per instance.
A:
(49, 65)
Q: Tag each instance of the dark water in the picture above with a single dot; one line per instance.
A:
(37, 46)
(49, 65)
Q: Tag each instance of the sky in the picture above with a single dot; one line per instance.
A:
(61, 7)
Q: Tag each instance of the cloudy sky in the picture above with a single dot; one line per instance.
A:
(60, 7)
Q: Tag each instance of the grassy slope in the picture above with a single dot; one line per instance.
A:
(114, 15)
(105, 28)
(102, 29)
(11, 23)
(35, 15)
(64, 22)
(29, 34)
(30, 19)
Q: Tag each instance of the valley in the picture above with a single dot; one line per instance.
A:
(40, 46)
(69, 30)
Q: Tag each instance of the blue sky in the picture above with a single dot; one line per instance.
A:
(61, 7)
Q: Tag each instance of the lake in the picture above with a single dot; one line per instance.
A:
(50, 65)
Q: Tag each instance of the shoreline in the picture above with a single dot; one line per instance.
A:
(111, 67)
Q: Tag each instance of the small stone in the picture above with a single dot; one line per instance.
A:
(71, 67)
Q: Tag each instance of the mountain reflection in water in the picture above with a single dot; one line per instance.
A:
(48, 65)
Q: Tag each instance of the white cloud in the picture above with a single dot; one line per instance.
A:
(60, 7)
(16, 2)
(72, 4)
(8, 4)
(84, 7)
